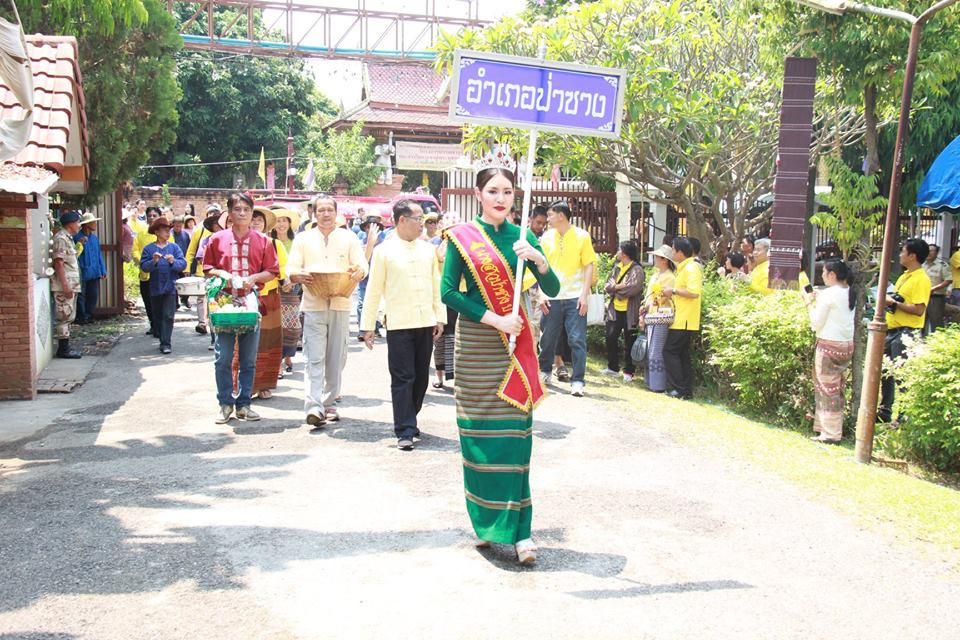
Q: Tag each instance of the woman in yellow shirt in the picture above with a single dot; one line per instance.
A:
(663, 277)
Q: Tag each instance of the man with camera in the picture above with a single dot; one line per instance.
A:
(906, 312)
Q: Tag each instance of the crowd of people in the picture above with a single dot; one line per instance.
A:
(444, 290)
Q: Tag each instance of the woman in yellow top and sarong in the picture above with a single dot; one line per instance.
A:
(662, 278)
(495, 391)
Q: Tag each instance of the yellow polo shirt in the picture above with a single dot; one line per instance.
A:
(337, 252)
(955, 267)
(141, 241)
(914, 286)
(568, 256)
(760, 279)
(689, 277)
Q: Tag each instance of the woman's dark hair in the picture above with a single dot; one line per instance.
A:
(736, 259)
(917, 247)
(750, 239)
(191, 209)
(238, 197)
(486, 176)
(290, 233)
(695, 243)
(259, 214)
(153, 208)
(630, 250)
(844, 273)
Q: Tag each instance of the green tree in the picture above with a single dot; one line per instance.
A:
(701, 112)
(343, 155)
(234, 105)
(126, 55)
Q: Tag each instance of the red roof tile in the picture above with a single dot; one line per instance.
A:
(401, 84)
(58, 100)
(373, 115)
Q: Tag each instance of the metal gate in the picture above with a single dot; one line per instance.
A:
(108, 209)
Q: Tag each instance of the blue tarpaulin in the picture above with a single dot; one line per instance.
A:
(941, 186)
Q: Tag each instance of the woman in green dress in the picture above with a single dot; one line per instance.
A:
(495, 390)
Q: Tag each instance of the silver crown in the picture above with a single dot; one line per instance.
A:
(498, 158)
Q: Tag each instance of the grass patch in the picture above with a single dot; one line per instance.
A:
(915, 507)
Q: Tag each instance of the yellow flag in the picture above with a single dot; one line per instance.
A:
(262, 169)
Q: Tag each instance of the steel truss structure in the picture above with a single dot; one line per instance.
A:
(318, 31)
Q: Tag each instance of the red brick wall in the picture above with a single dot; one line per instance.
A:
(18, 360)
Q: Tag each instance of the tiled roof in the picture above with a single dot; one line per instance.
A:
(401, 84)
(405, 118)
(58, 100)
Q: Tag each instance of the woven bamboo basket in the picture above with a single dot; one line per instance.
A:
(331, 285)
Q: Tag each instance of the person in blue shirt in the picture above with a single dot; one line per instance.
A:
(164, 261)
(93, 269)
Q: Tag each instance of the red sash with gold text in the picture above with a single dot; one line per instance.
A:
(521, 385)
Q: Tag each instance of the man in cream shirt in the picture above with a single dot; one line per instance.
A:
(326, 321)
(405, 273)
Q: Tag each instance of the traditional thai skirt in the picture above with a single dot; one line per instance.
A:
(495, 438)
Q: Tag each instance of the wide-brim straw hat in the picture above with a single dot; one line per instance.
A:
(209, 221)
(665, 251)
(213, 207)
(269, 217)
(156, 224)
(88, 217)
(290, 215)
(371, 218)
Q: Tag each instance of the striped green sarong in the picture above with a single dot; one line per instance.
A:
(495, 438)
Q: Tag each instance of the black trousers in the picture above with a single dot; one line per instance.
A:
(148, 305)
(164, 307)
(408, 357)
(614, 329)
(936, 309)
(894, 349)
(676, 360)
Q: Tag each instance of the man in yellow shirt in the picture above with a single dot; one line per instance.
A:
(906, 312)
(955, 268)
(325, 248)
(141, 241)
(405, 273)
(760, 276)
(569, 251)
(685, 294)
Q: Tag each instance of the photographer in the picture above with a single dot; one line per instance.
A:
(906, 312)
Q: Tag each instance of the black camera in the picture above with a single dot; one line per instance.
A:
(896, 296)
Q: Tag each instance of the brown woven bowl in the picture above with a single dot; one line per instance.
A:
(331, 285)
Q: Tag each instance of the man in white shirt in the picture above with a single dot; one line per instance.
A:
(326, 320)
(405, 273)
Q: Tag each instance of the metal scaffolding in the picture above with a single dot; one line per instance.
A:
(318, 31)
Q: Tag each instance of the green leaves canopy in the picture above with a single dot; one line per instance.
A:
(126, 50)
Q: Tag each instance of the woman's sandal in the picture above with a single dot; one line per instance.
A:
(438, 385)
(266, 394)
(526, 551)
(482, 544)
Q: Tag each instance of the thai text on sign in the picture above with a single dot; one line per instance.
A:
(536, 94)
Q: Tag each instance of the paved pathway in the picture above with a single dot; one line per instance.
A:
(133, 516)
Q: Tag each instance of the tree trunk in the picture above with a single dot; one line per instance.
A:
(872, 163)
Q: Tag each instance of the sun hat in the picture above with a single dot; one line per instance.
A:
(221, 220)
(371, 218)
(290, 215)
(88, 217)
(269, 217)
(156, 224)
(665, 251)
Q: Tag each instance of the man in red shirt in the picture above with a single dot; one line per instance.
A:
(247, 258)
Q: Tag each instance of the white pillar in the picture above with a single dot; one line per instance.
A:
(623, 208)
(660, 223)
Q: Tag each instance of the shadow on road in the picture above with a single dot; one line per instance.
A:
(643, 589)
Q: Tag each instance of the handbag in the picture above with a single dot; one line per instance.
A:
(638, 352)
(660, 316)
(596, 309)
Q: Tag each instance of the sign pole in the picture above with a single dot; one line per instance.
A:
(525, 214)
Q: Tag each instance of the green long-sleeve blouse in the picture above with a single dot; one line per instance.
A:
(471, 304)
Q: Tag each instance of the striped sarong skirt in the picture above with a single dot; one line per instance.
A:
(270, 347)
(495, 438)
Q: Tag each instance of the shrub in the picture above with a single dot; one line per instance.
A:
(930, 403)
(760, 349)
(596, 335)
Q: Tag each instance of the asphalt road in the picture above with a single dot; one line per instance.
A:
(132, 515)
